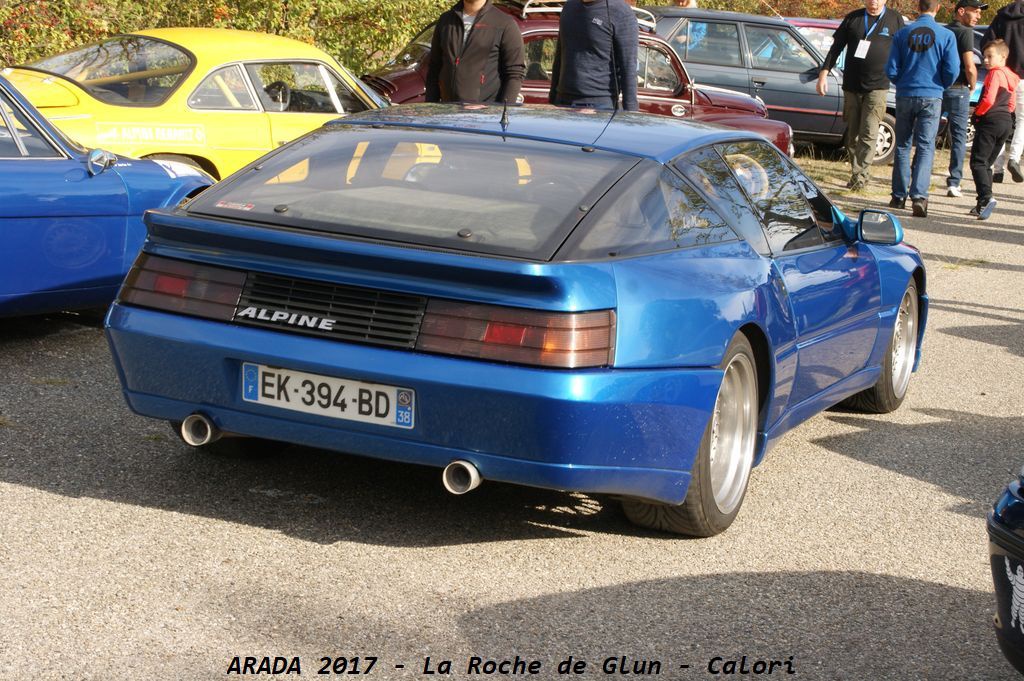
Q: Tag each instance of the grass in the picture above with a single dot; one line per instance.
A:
(830, 169)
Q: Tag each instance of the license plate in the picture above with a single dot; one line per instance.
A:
(340, 398)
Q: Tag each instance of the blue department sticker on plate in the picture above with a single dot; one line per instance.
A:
(338, 398)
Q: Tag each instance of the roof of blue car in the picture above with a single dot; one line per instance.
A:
(657, 137)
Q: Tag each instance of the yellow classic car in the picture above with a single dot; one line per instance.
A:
(214, 98)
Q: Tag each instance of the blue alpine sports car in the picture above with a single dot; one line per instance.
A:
(607, 303)
(71, 220)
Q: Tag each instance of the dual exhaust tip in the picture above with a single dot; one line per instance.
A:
(458, 477)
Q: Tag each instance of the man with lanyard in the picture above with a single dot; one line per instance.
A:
(476, 55)
(866, 35)
(956, 100)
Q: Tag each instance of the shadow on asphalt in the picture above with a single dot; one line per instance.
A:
(1007, 334)
(49, 442)
(955, 451)
(836, 625)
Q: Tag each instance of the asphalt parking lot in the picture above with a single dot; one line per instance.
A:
(860, 552)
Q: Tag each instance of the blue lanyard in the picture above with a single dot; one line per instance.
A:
(867, 33)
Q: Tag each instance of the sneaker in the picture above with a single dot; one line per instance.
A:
(898, 202)
(920, 207)
(859, 186)
(1014, 168)
(997, 177)
(985, 212)
(953, 190)
(975, 211)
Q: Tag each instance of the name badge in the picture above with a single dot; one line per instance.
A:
(862, 49)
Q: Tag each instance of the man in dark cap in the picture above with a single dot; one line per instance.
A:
(956, 100)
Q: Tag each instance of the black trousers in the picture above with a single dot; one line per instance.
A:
(990, 133)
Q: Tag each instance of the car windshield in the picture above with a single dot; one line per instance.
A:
(417, 48)
(468, 192)
(127, 69)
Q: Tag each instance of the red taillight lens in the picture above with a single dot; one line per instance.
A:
(181, 286)
(551, 339)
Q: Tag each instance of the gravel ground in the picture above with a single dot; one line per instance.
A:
(860, 552)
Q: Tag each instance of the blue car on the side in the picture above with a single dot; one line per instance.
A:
(606, 303)
(71, 219)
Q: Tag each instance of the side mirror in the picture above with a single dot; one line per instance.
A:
(99, 160)
(879, 227)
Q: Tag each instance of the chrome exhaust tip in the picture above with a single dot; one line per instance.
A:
(460, 477)
(197, 430)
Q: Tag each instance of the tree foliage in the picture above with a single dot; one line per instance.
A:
(362, 34)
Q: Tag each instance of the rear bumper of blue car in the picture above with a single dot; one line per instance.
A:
(626, 432)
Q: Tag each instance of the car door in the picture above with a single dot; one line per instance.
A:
(832, 286)
(300, 96)
(62, 230)
(711, 52)
(539, 49)
(232, 120)
(660, 82)
(784, 73)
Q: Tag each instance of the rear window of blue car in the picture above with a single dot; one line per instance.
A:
(461, 191)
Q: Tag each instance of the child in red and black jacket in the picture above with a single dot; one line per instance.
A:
(993, 122)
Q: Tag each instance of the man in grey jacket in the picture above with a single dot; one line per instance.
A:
(596, 59)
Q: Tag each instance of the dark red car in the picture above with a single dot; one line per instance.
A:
(664, 87)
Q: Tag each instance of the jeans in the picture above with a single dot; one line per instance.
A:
(990, 133)
(956, 104)
(1017, 143)
(862, 112)
(917, 123)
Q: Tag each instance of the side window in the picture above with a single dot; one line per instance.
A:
(822, 210)
(658, 211)
(775, 193)
(778, 49)
(709, 173)
(19, 136)
(294, 87)
(540, 57)
(708, 42)
(225, 88)
(655, 71)
(347, 99)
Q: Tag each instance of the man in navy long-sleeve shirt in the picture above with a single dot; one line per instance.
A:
(923, 62)
(597, 55)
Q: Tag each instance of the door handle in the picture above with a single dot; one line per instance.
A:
(760, 83)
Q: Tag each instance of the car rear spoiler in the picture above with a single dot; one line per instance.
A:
(526, 7)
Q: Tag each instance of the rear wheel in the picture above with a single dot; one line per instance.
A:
(178, 158)
(721, 470)
(887, 394)
(885, 145)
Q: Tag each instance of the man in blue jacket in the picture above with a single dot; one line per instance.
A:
(923, 62)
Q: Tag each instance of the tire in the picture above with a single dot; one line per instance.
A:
(885, 146)
(887, 394)
(178, 158)
(233, 447)
(721, 470)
